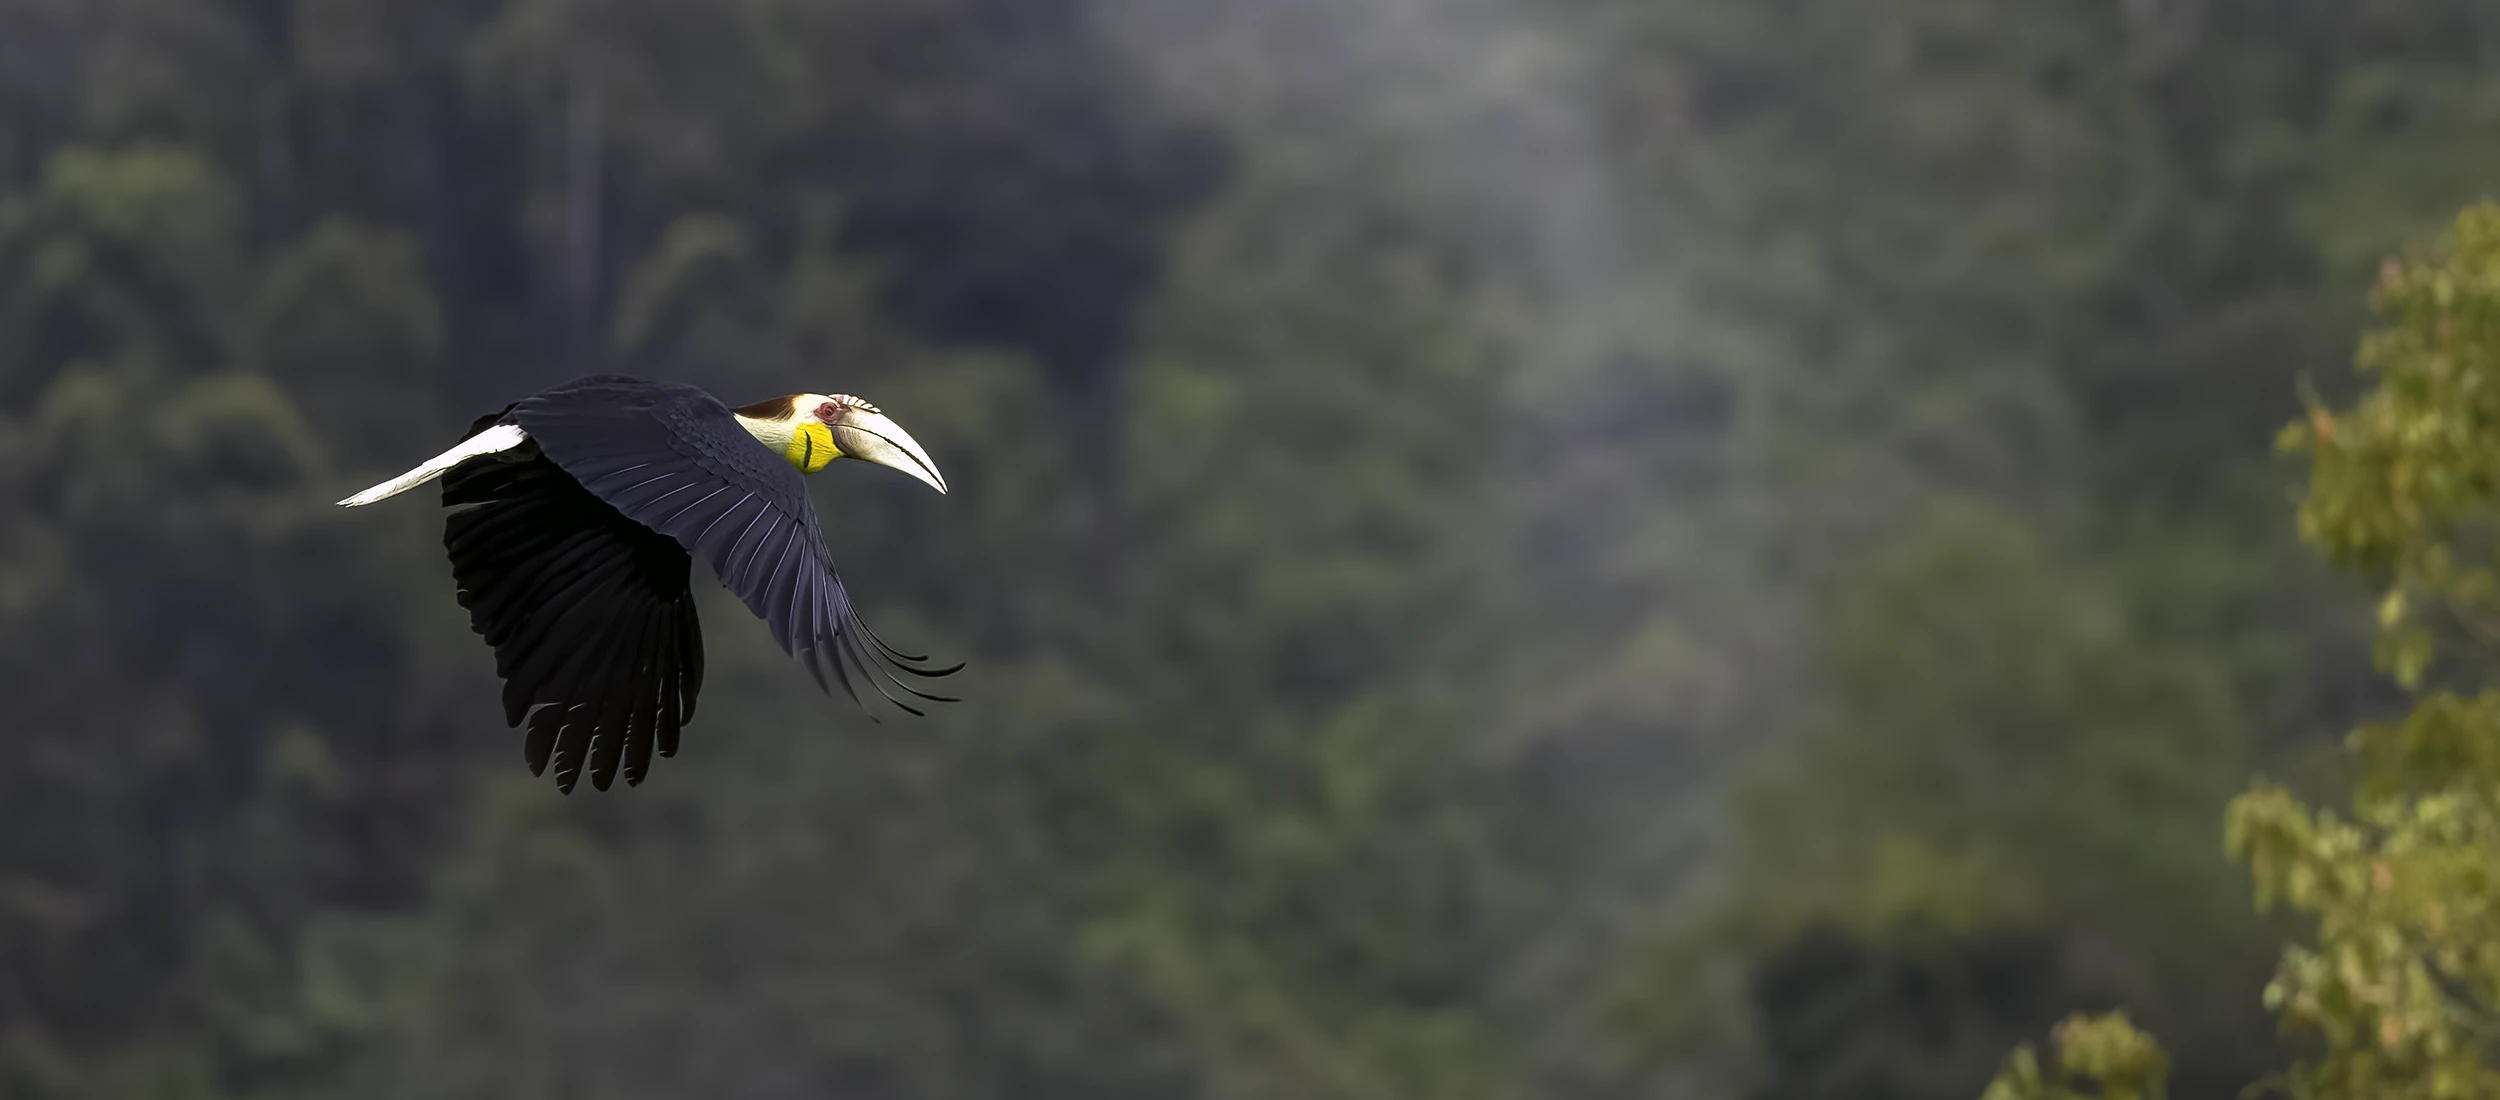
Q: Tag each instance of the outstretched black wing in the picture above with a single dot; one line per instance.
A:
(673, 459)
(589, 614)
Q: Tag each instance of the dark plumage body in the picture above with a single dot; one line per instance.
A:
(572, 552)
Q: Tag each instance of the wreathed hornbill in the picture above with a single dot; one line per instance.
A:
(575, 515)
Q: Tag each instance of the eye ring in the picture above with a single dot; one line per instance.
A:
(829, 411)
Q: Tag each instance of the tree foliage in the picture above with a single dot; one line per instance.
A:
(2399, 986)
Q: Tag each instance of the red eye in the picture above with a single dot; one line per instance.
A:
(828, 412)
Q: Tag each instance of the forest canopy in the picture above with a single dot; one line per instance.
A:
(1581, 548)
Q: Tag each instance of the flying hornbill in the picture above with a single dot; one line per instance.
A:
(575, 514)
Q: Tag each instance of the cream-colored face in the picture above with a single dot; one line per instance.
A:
(811, 446)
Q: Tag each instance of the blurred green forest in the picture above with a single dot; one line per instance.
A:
(1585, 548)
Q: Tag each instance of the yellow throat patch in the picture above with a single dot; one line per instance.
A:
(811, 447)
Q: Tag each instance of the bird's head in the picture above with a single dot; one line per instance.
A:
(813, 429)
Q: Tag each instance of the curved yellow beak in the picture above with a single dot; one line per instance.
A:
(872, 436)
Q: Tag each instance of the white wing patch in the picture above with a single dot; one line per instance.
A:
(501, 437)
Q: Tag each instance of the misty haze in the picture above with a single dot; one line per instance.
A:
(1501, 549)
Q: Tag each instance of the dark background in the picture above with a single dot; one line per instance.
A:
(1579, 549)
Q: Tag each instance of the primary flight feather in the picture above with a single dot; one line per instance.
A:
(576, 513)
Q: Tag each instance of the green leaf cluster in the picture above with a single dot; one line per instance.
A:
(2402, 979)
(2398, 987)
(2093, 1058)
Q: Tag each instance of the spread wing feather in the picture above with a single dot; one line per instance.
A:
(673, 459)
(590, 614)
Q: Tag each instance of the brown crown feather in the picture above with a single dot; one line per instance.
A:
(771, 408)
